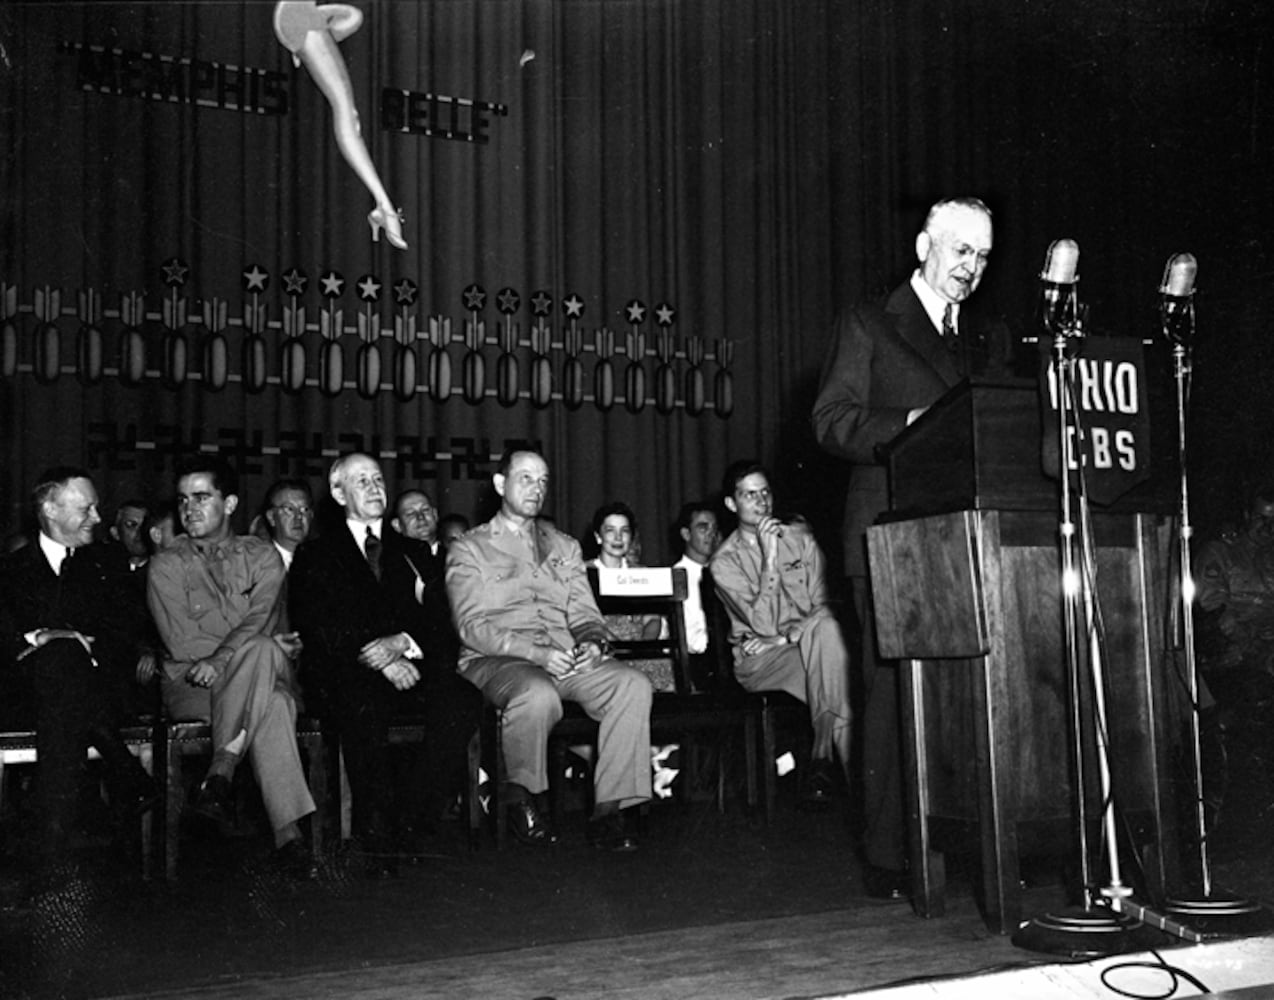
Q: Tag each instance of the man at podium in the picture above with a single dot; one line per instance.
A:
(886, 365)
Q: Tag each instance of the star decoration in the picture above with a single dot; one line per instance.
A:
(573, 306)
(405, 292)
(294, 282)
(175, 272)
(474, 298)
(508, 301)
(368, 288)
(255, 279)
(333, 285)
(541, 303)
(635, 311)
(665, 314)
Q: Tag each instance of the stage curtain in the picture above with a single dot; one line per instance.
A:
(659, 152)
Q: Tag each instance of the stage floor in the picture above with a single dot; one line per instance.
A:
(711, 907)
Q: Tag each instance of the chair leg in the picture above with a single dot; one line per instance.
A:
(749, 757)
(769, 744)
(346, 798)
(146, 757)
(316, 766)
(557, 786)
(473, 807)
(169, 765)
(499, 773)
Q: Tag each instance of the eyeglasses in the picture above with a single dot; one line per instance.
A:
(752, 496)
(294, 510)
(419, 513)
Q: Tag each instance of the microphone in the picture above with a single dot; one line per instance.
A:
(1058, 280)
(1176, 302)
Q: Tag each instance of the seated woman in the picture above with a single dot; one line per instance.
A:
(615, 531)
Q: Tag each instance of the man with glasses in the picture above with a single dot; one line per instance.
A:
(887, 364)
(289, 515)
(216, 598)
(769, 575)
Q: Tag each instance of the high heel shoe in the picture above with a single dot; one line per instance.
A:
(391, 222)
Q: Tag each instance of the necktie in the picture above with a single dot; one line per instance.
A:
(955, 343)
(371, 549)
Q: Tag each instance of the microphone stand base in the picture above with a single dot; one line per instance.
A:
(1221, 914)
(1077, 932)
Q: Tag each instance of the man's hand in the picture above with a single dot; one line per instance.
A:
(203, 674)
(402, 674)
(587, 656)
(557, 662)
(290, 643)
(147, 664)
(44, 636)
(380, 653)
(768, 532)
(755, 645)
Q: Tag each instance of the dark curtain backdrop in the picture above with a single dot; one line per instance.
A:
(752, 164)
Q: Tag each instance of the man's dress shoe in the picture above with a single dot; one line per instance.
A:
(294, 860)
(529, 825)
(610, 832)
(213, 800)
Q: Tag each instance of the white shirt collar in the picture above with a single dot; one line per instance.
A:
(359, 529)
(53, 551)
(934, 304)
(285, 554)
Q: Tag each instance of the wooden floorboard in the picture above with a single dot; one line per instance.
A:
(801, 956)
(879, 952)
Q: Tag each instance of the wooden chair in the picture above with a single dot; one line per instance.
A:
(176, 740)
(677, 716)
(773, 708)
(19, 748)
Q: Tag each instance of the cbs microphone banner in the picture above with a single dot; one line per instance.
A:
(1107, 415)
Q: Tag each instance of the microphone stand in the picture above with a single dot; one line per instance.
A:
(1109, 922)
(1209, 911)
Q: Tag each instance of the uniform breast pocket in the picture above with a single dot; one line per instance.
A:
(501, 572)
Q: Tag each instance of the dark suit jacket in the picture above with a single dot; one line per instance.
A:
(885, 361)
(338, 605)
(90, 595)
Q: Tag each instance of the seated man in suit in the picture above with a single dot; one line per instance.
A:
(415, 516)
(372, 612)
(130, 518)
(216, 598)
(700, 535)
(68, 628)
(770, 578)
(289, 516)
(532, 636)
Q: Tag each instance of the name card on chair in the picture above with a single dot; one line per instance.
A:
(641, 581)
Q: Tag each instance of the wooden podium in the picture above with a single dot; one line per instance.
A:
(967, 593)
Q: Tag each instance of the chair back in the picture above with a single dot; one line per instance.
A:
(647, 590)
